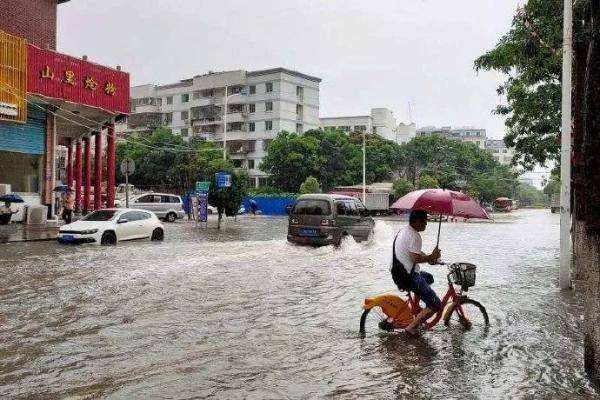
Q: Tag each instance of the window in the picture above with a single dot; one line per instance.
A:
(250, 164)
(269, 87)
(184, 115)
(184, 131)
(140, 215)
(196, 95)
(268, 125)
(168, 118)
(299, 129)
(169, 99)
(360, 128)
(237, 163)
(268, 106)
(265, 144)
(159, 101)
(129, 216)
(169, 199)
(251, 108)
(312, 207)
(299, 91)
(251, 127)
(262, 182)
(185, 97)
(252, 89)
(101, 215)
(149, 198)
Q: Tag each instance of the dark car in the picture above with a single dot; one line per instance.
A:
(323, 219)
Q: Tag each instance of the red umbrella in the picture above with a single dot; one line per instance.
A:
(441, 202)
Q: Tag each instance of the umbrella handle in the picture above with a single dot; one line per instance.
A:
(439, 229)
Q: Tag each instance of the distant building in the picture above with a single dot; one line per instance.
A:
(260, 105)
(499, 151)
(476, 136)
(381, 121)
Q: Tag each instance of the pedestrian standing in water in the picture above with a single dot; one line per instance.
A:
(253, 207)
(69, 204)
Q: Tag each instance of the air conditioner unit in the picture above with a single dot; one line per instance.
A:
(4, 188)
(36, 215)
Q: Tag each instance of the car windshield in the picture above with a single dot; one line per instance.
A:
(312, 207)
(101, 215)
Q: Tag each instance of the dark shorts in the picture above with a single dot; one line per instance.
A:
(420, 286)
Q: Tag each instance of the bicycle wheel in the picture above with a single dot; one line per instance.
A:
(372, 320)
(467, 314)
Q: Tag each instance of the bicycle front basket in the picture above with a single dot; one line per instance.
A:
(464, 275)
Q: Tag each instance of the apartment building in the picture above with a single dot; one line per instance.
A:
(467, 134)
(247, 108)
(499, 151)
(381, 121)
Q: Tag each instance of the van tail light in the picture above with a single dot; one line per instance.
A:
(327, 222)
(294, 221)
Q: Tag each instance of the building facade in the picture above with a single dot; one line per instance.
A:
(245, 109)
(52, 104)
(473, 135)
(499, 151)
(381, 121)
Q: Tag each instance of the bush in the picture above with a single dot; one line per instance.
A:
(428, 182)
(310, 185)
(401, 187)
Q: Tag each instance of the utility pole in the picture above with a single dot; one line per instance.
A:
(225, 126)
(364, 149)
(564, 278)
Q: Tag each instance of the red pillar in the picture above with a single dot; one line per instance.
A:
(78, 176)
(87, 174)
(110, 166)
(98, 171)
(70, 162)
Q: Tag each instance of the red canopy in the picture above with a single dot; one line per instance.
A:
(440, 201)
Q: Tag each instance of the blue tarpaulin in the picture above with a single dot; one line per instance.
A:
(269, 205)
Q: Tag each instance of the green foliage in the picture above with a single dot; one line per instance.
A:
(333, 157)
(553, 187)
(401, 187)
(428, 182)
(227, 200)
(163, 158)
(530, 57)
(529, 196)
(310, 185)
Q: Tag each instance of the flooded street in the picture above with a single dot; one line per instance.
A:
(243, 314)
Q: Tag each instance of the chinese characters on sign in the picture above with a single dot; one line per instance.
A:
(70, 79)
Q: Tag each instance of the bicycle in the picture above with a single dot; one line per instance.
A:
(393, 312)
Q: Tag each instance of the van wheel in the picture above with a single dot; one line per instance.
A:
(171, 217)
(158, 235)
(108, 239)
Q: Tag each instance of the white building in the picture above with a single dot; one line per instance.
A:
(499, 151)
(381, 121)
(260, 104)
(467, 134)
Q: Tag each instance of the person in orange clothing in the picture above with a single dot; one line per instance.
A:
(67, 213)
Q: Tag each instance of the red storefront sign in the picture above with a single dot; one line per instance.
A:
(60, 76)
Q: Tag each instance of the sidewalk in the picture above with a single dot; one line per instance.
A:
(17, 232)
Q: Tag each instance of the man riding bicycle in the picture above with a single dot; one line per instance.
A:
(406, 273)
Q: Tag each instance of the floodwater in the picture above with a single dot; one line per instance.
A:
(241, 314)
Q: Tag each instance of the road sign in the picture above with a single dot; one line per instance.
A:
(127, 166)
(202, 187)
(223, 180)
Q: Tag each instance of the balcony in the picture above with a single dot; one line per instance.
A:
(200, 121)
(241, 146)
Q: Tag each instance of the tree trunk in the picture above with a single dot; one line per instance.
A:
(591, 207)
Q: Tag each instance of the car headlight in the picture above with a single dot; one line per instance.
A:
(88, 232)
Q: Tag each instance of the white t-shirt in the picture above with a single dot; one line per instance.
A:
(408, 241)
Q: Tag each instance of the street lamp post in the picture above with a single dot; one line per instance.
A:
(225, 126)
(564, 278)
(364, 166)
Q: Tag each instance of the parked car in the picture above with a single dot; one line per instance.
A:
(166, 206)
(323, 219)
(112, 225)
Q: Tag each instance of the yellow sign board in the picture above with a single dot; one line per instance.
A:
(13, 78)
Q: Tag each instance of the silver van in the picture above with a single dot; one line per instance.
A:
(323, 219)
(166, 206)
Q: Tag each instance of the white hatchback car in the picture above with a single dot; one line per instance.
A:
(112, 225)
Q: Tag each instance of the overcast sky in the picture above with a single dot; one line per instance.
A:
(376, 53)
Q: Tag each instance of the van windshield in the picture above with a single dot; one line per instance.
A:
(312, 207)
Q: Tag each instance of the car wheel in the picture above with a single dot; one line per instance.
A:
(108, 239)
(158, 234)
(171, 217)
